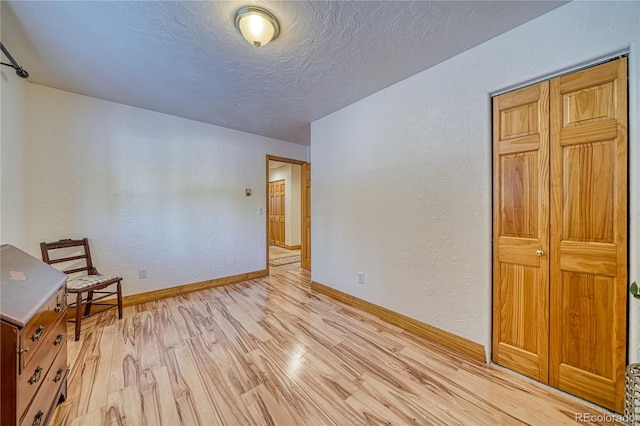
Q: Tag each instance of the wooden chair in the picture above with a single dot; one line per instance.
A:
(86, 278)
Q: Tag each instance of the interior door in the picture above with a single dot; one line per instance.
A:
(271, 232)
(306, 217)
(520, 230)
(589, 233)
(277, 213)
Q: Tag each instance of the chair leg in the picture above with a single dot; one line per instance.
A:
(87, 308)
(78, 315)
(119, 301)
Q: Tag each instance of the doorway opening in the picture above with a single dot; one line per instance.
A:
(284, 214)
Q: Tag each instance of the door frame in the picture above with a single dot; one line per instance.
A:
(266, 210)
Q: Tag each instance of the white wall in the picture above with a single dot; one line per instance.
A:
(401, 180)
(13, 160)
(290, 173)
(148, 189)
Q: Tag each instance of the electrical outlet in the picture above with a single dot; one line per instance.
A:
(360, 278)
(142, 273)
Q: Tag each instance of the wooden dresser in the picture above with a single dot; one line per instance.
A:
(34, 338)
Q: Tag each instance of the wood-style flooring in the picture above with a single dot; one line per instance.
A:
(276, 252)
(274, 352)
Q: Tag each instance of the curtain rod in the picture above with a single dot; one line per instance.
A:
(19, 70)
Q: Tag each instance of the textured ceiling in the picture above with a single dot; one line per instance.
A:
(187, 59)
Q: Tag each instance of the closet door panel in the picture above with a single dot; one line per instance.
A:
(521, 222)
(589, 233)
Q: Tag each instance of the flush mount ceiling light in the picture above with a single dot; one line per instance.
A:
(257, 25)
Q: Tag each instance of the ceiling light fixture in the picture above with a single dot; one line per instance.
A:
(257, 25)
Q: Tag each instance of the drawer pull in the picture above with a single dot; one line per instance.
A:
(24, 350)
(37, 335)
(38, 419)
(58, 307)
(58, 339)
(36, 376)
(58, 375)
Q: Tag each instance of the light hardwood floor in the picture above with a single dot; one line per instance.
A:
(274, 352)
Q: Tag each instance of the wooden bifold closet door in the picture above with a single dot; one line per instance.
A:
(521, 231)
(560, 232)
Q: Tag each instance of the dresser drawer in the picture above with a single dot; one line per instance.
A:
(39, 328)
(33, 377)
(43, 403)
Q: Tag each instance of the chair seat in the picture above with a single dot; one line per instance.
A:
(81, 283)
